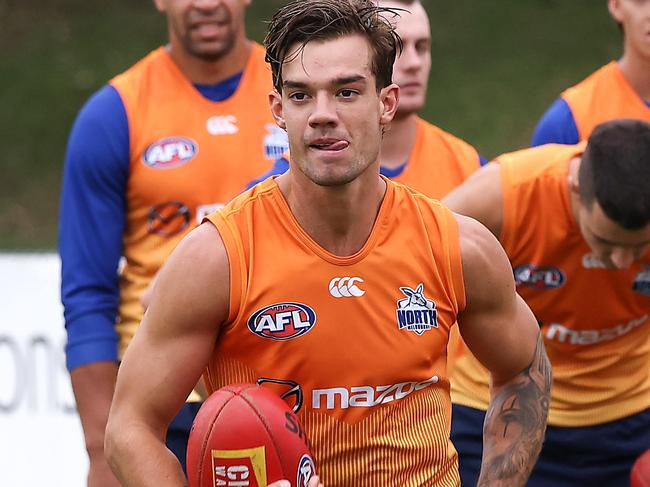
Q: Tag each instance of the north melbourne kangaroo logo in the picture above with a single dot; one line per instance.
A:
(416, 313)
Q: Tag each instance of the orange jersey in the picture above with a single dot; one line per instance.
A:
(603, 96)
(595, 321)
(439, 161)
(189, 156)
(359, 342)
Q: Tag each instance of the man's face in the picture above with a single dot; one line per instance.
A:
(412, 66)
(615, 246)
(331, 109)
(634, 15)
(206, 29)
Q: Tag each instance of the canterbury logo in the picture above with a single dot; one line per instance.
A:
(222, 125)
(345, 287)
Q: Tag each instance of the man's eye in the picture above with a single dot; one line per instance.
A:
(298, 96)
(347, 93)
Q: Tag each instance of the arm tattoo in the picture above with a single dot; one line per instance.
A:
(515, 424)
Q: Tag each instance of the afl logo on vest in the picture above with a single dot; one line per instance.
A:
(282, 321)
(416, 312)
(170, 152)
(539, 278)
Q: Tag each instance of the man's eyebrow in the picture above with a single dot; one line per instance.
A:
(293, 84)
(343, 80)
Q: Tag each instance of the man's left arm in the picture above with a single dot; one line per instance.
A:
(501, 331)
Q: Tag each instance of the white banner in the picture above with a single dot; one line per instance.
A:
(41, 441)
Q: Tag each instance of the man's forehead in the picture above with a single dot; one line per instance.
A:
(342, 57)
(407, 17)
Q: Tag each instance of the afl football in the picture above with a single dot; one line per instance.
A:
(246, 436)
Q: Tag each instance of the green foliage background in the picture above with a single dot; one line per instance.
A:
(496, 67)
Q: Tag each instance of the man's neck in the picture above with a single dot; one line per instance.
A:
(340, 219)
(636, 70)
(398, 141)
(201, 71)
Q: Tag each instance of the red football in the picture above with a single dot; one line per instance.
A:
(640, 476)
(246, 436)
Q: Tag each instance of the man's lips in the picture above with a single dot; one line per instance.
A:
(208, 29)
(329, 144)
(410, 86)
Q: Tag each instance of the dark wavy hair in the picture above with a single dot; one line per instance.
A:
(302, 21)
(615, 171)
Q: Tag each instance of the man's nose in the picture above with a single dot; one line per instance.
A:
(622, 258)
(324, 112)
(410, 58)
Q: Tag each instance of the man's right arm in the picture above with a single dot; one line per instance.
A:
(502, 333)
(90, 245)
(169, 353)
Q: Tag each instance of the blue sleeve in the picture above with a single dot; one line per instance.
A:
(482, 161)
(279, 167)
(557, 126)
(91, 223)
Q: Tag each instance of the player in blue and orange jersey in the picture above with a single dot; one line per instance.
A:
(415, 152)
(620, 89)
(160, 146)
(339, 285)
(575, 223)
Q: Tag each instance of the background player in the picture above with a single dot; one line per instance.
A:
(152, 152)
(415, 152)
(258, 282)
(575, 223)
(620, 89)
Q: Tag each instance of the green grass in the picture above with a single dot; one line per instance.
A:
(496, 67)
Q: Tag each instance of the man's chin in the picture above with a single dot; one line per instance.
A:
(331, 178)
(209, 51)
(407, 109)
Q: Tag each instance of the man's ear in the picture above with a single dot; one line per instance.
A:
(614, 7)
(388, 99)
(275, 101)
(160, 5)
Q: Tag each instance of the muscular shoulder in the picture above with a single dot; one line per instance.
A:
(486, 270)
(196, 276)
(480, 197)
(201, 255)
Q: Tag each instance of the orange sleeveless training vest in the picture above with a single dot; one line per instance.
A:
(603, 96)
(595, 321)
(358, 343)
(189, 155)
(439, 162)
